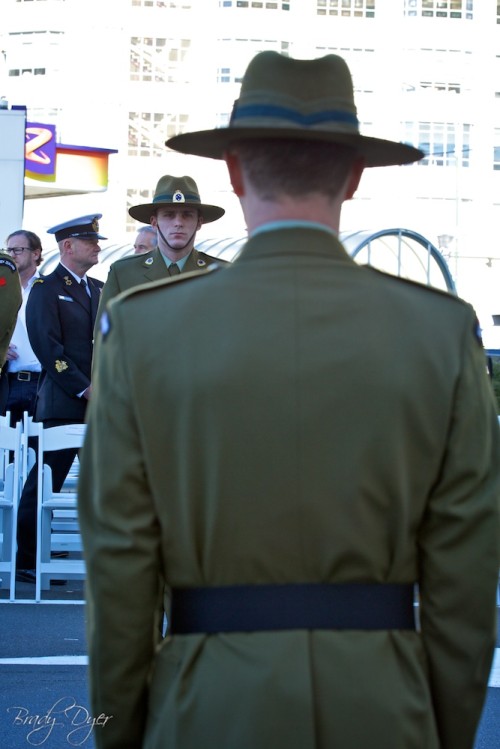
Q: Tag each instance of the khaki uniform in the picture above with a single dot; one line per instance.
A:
(10, 301)
(134, 270)
(322, 422)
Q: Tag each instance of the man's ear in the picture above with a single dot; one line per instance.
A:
(354, 178)
(235, 172)
(153, 221)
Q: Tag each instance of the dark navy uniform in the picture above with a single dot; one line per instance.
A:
(60, 317)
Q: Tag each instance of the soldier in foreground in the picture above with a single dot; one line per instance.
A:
(324, 441)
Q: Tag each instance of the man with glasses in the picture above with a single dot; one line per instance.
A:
(21, 373)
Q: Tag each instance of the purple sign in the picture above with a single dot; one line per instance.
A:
(40, 150)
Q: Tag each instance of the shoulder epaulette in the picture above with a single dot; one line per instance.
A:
(145, 259)
(416, 284)
(169, 281)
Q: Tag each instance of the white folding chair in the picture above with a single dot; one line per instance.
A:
(30, 429)
(57, 520)
(10, 457)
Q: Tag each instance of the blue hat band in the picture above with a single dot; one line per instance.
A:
(169, 198)
(255, 111)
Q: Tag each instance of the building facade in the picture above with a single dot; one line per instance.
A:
(129, 74)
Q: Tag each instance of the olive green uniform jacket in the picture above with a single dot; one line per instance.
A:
(10, 301)
(134, 270)
(322, 422)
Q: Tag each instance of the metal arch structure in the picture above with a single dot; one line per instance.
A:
(400, 252)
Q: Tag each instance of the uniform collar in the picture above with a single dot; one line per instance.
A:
(293, 224)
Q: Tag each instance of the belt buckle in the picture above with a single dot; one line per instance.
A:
(24, 376)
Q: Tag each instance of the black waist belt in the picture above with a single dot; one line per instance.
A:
(24, 376)
(253, 608)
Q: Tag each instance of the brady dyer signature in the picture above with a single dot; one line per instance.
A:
(65, 714)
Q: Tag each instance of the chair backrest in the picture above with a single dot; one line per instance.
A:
(10, 449)
(55, 438)
(10, 487)
(61, 437)
(49, 439)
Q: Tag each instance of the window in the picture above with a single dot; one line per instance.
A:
(136, 197)
(453, 88)
(180, 4)
(222, 119)
(496, 150)
(259, 4)
(240, 51)
(34, 53)
(44, 114)
(437, 71)
(159, 60)
(361, 64)
(148, 131)
(28, 37)
(346, 8)
(440, 8)
(444, 143)
(26, 71)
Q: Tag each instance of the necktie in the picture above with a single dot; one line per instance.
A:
(85, 296)
(173, 269)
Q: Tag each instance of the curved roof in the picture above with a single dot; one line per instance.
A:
(401, 252)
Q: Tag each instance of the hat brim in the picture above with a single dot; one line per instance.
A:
(213, 143)
(144, 212)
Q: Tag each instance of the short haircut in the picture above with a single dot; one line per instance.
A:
(32, 239)
(295, 167)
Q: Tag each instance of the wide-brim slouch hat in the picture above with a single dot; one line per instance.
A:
(176, 191)
(286, 98)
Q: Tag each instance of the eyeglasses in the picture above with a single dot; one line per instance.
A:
(16, 250)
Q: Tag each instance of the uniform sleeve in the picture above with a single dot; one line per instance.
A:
(43, 324)
(459, 544)
(110, 289)
(121, 542)
(10, 301)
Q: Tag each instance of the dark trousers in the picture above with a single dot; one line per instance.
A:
(22, 397)
(60, 461)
